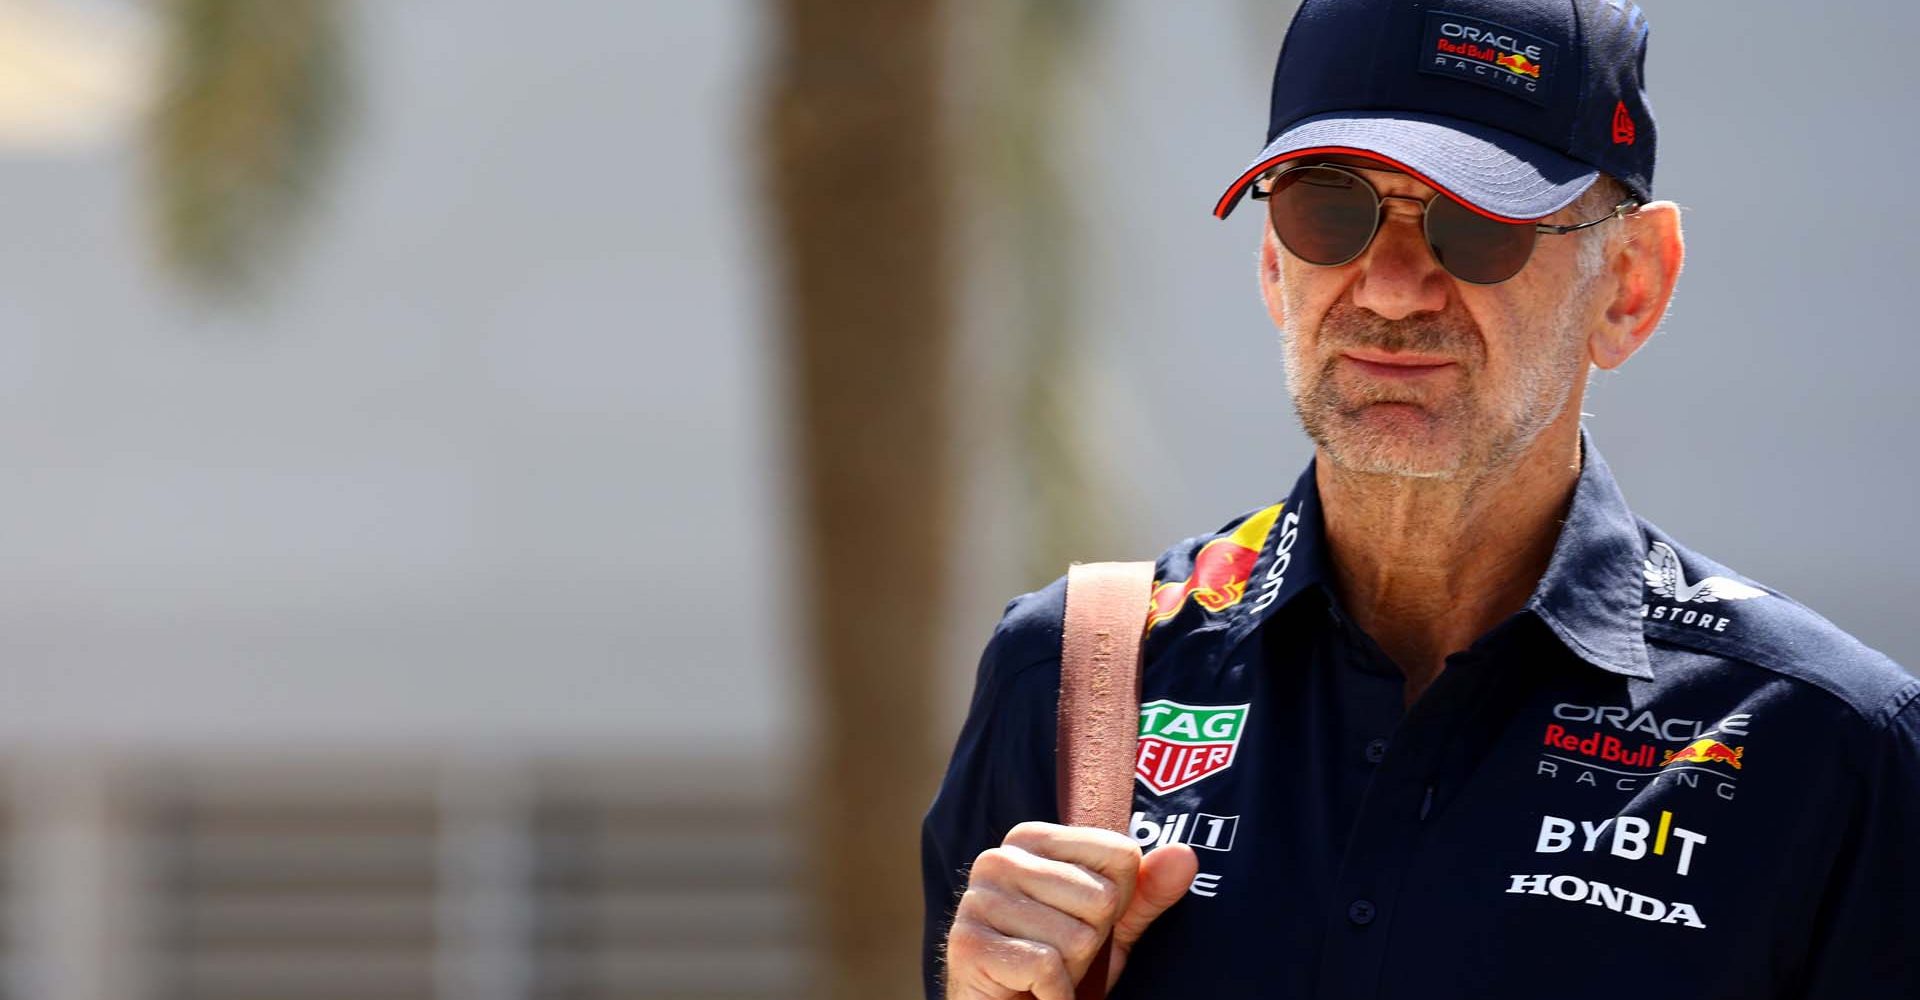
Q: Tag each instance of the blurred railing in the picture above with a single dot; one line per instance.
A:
(665, 891)
(523, 879)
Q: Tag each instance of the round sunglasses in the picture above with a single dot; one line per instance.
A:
(1328, 215)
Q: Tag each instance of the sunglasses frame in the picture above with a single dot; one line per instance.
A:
(1379, 203)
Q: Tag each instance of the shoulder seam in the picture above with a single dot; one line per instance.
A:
(1907, 691)
(1001, 678)
(1906, 696)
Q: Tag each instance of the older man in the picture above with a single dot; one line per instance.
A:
(1450, 721)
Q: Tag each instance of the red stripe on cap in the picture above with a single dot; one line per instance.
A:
(1226, 200)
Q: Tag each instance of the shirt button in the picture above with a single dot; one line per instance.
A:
(1376, 751)
(1360, 911)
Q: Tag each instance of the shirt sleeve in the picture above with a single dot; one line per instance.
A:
(1868, 940)
(1001, 773)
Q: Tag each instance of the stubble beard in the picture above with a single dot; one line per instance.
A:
(1467, 431)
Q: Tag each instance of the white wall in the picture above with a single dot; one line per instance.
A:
(493, 465)
(499, 462)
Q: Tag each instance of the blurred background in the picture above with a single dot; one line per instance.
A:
(503, 501)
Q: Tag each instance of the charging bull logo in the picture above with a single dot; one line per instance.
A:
(1518, 64)
(1705, 752)
(1220, 570)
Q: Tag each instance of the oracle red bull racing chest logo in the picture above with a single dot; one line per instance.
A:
(1597, 745)
(1181, 744)
(1221, 570)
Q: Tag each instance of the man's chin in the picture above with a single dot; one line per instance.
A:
(1378, 462)
(1392, 439)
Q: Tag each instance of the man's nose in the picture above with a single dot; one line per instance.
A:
(1398, 274)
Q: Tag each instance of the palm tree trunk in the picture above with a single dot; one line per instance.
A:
(253, 97)
(859, 196)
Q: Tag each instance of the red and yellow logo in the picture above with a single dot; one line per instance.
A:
(1705, 752)
(1220, 570)
(1519, 64)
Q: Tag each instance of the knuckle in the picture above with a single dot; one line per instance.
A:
(966, 943)
(972, 902)
(1030, 833)
(992, 864)
(1045, 956)
(966, 933)
(1119, 843)
(1123, 849)
(1104, 897)
(1083, 940)
(1056, 982)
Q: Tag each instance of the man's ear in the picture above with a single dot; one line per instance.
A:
(1270, 278)
(1646, 266)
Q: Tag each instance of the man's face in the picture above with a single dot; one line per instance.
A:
(1396, 367)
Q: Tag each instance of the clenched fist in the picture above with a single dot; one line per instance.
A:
(1038, 907)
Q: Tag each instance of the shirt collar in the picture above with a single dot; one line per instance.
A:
(1595, 583)
(1292, 561)
(1590, 595)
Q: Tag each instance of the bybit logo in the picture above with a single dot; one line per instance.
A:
(1629, 838)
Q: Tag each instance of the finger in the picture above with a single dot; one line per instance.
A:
(1024, 919)
(1070, 888)
(1165, 875)
(983, 963)
(1113, 855)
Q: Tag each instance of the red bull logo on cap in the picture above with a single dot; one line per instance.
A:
(1220, 570)
(1705, 751)
(1520, 64)
(1491, 55)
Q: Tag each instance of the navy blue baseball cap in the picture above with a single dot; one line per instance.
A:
(1512, 107)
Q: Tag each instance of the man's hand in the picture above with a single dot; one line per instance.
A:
(1038, 906)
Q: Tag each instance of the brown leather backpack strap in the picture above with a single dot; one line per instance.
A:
(1099, 724)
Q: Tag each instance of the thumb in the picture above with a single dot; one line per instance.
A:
(1165, 874)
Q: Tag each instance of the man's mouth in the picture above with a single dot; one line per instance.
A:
(1395, 364)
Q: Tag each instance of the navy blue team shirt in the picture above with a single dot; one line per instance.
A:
(1659, 777)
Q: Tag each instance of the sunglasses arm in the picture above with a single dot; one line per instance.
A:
(1618, 210)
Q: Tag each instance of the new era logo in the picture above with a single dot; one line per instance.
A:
(1622, 125)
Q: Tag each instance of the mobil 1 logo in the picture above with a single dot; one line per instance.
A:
(1202, 830)
(1197, 829)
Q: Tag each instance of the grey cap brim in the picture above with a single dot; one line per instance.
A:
(1500, 174)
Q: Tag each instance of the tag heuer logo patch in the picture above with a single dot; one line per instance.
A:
(1181, 744)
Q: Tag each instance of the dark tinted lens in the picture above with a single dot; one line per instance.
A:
(1475, 248)
(1323, 216)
